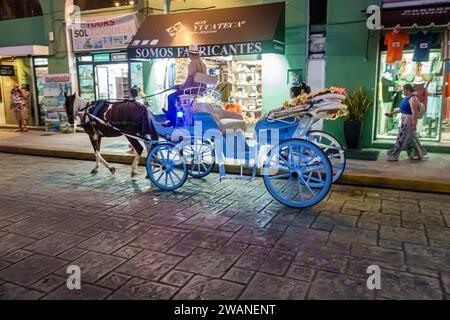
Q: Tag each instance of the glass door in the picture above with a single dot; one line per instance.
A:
(102, 83)
(112, 81)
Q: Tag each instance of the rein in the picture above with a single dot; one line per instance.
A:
(157, 94)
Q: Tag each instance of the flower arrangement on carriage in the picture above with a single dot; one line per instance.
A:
(329, 103)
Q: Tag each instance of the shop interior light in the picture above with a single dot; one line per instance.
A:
(117, 4)
(131, 2)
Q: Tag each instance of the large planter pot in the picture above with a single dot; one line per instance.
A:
(352, 132)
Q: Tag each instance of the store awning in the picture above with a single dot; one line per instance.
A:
(23, 51)
(233, 31)
(422, 16)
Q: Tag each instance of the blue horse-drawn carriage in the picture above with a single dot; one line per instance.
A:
(298, 165)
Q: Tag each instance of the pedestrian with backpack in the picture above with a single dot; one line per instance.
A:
(411, 110)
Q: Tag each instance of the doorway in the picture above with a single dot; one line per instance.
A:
(112, 81)
(7, 86)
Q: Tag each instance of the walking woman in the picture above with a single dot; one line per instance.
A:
(19, 104)
(407, 139)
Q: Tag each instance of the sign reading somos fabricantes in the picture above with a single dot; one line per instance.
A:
(246, 30)
(205, 50)
(103, 34)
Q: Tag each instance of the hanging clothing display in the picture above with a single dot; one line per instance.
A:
(422, 41)
(387, 89)
(395, 42)
(447, 79)
(447, 92)
(434, 107)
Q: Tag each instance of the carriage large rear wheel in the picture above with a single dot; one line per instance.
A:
(332, 148)
(166, 167)
(297, 173)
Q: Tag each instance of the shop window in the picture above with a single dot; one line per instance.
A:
(318, 12)
(100, 4)
(427, 78)
(12, 9)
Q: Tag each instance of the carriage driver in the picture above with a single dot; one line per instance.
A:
(195, 66)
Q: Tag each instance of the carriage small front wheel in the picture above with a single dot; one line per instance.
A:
(297, 173)
(166, 167)
(200, 158)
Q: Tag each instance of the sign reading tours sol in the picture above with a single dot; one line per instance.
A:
(245, 30)
(103, 34)
(7, 71)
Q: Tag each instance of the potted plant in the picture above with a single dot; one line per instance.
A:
(358, 104)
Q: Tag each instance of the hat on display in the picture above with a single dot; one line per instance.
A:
(193, 49)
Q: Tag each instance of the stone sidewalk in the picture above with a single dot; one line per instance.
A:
(432, 175)
(211, 240)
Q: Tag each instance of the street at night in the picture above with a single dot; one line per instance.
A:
(211, 239)
(214, 159)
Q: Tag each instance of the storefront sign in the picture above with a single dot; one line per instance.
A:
(7, 71)
(104, 34)
(421, 16)
(205, 51)
(103, 57)
(410, 3)
(119, 56)
(244, 30)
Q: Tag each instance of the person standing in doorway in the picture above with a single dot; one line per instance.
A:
(19, 104)
(195, 66)
(407, 138)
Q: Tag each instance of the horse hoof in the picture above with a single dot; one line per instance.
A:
(147, 177)
(134, 174)
(94, 171)
(113, 170)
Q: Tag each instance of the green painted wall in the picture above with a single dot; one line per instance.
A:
(351, 57)
(20, 32)
(54, 13)
(275, 67)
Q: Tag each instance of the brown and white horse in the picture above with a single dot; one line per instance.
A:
(129, 116)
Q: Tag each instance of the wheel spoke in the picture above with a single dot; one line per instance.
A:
(173, 171)
(284, 186)
(159, 179)
(291, 190)
(308, 187)
(154, 157)
(310, 178)
(300, 190)
(281, 176)
(171, 179)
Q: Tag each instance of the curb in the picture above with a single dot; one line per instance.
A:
(352, 179)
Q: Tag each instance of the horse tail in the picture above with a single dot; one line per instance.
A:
(149, 126)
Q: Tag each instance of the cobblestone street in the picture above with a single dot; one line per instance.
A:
(211, 239)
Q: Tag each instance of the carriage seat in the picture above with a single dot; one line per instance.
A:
(226, 120)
